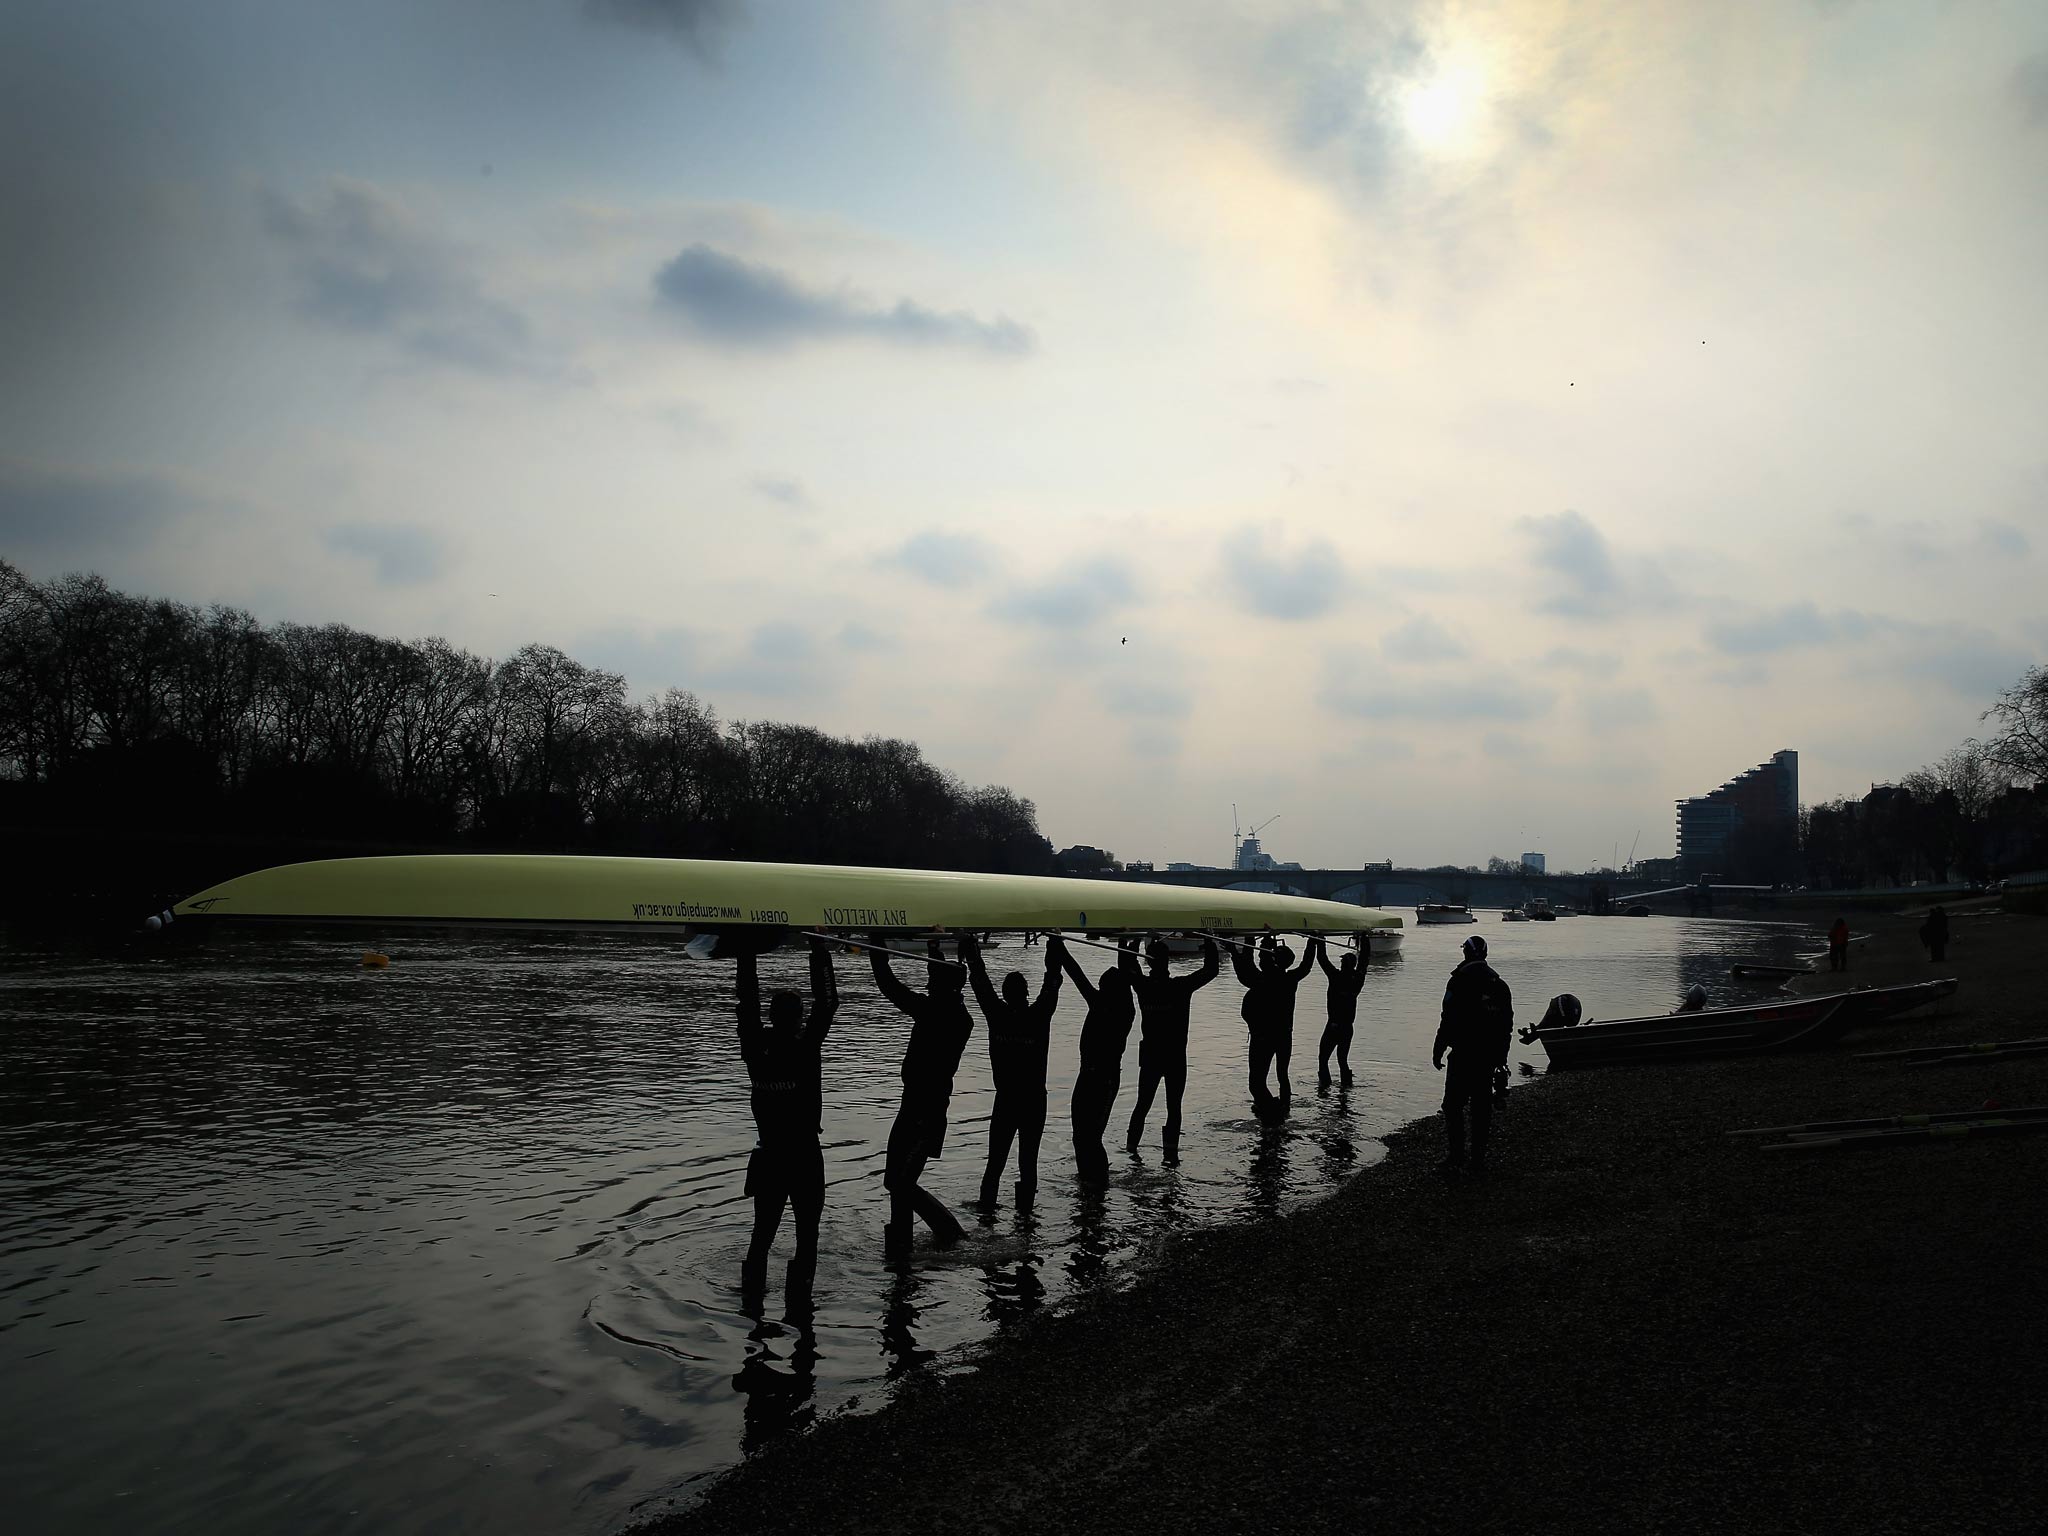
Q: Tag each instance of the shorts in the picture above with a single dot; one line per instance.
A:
(785, 1170)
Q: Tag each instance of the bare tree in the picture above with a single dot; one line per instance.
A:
(2021, 747)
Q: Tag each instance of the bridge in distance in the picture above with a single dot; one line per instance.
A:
(1403, 888)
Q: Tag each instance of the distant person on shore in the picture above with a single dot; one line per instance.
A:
(1477, 1025)
(1346, 979)
(939, 1027)
(1268, 1012)
(787, 1165)
(1163, 1000)
(1838, 945)
(1111, 1009)
(1019, 1032)
(1934, 934)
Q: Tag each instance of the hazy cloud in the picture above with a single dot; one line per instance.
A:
(1615, 709)
(702, 26)
(401, 555)
(944, 559)
(2003, 539)
(744, 304)
(2030, 88)
(1583, 581)
(53, 519)
(789, 493)
(1368, 698)
(1793, 627)
(1572, 659)
(863, 639)
(1148, 700)
(364, 265)
(1279, 585)
(1077, 596)
(1421, 640)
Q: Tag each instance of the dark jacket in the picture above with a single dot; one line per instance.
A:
(786, 1069)
(1479, 1016)
(1108, 1025)
(1017, 1037)
(1269, 995)
(1163, 999)
(1344, 985)
(939, 1027)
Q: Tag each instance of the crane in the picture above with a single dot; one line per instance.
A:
(1239, 835)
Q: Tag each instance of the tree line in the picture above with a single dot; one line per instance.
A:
(125, 710)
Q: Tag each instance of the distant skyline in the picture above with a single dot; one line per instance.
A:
(1455, 429)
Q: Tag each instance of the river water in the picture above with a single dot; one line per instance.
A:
(454, 1246)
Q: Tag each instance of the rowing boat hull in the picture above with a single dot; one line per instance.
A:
(696, 895)
(1791, 1024)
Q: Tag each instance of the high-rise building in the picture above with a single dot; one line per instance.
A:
(1533, 863)
(1764, 799)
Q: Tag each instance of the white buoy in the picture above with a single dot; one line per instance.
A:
(152, 923)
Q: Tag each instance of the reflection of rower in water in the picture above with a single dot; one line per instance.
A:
(787, 1165)
(1019, 1029)
(1103, 1033)
(1268, 1012)
(939, 1027)
(1163, 1000)
(1347, 979)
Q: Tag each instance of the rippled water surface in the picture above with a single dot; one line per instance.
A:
(454, 1246)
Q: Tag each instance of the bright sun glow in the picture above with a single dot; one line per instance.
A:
(1442, 110)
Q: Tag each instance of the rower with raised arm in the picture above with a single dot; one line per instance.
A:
(939, 1027)
(787, 1166)
(1347, 980)
(1268, 1012)
(1019, 1033)
(1163, 1000)
(1103, 1033)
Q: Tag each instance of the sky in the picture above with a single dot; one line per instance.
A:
(1451, 429)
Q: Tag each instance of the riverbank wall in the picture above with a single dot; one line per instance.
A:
(1632, 1323)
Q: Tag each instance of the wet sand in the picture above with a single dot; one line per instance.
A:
(1631, 1323)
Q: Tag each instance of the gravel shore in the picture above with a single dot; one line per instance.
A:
(1632, 1323)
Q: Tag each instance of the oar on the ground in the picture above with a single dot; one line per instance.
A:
(1951, 1049)
(1889, 1122)
(1954, 1058)
(1952, 1131)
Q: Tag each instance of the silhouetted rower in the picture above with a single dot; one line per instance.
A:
(1477, 1027)
(939, 1027)
(787, 1165)
(1019, 1030)
(1163, 1000)
(1268, 1013)
(1103, 1033)
(1347, 980)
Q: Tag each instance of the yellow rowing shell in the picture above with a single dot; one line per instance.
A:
(569, 890)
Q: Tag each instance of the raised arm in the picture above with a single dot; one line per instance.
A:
(893, 989)
(1322, 957)
(1072, 967)
(1048, 1000)
(1127, 959)
(824, 992)
(977, 974)
(1197, 979)
(1309, 951)
(1241, 962)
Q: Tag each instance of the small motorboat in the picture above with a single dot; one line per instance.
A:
(1444, 912)
(1787, 1024)
(1514, 915)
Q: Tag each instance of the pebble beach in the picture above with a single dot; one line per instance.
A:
(1632, 1322)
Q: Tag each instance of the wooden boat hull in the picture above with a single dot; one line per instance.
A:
(1790, 1024)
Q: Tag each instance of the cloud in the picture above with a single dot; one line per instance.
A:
(1147, 700)
(60, 519)
(2030, 89)
(702, 26)
(1793, 627)
(2003, 539)
(1359, 694)
(789, 493)
(863, 640)
(402, 555)
(776, 660)
(1301, 585)
(1078, 596)
(1421, 640)
(1575, 554)
(365, 266)
(1616, 709)
(944, 559)
(744, 304)
(1571, 659)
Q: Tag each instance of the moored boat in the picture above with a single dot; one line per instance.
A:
(1444, 912)
(1788, 1024)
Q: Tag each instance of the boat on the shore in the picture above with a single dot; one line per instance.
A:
(1790, 1024)
(1430, 912)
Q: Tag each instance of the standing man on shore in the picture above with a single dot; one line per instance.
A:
(1163, 1000)
(1268, 1013)
(1019, 1031)
(939, 1027)
(787, 1165)
(1103, 1033)
(1347, 980)
(1477, 1025)
(1838, 945)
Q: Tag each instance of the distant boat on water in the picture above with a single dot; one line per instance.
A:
(1514, 915)
(1444, 912)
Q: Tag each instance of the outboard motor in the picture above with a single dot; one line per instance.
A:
(1564, 1012)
